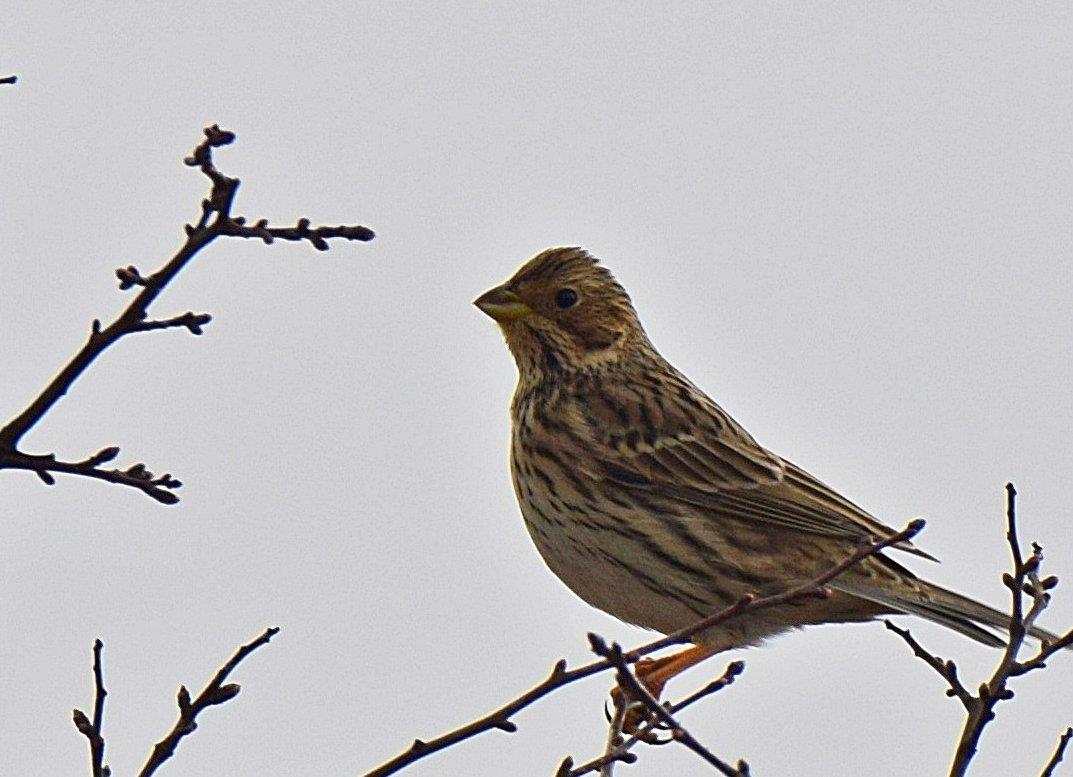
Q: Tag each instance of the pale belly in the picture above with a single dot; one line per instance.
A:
(608, 562)
(611, 574)
(660, 563)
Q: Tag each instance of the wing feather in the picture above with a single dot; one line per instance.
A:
(693, 452)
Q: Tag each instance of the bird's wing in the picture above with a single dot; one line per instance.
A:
(685, 447)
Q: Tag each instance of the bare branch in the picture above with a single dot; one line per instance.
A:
(216, 220)
(628, 681)
(980, 707)
(318, 236)
(216, 692)
(499, 719)
(619, 751)
(730, 674)
(92, 730)
(1059, 752)
(813, 589)
(613, 753)
(9, 80)
(946, 669)
(135, 476)
(560, 675)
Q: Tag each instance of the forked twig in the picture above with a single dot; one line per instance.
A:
(216, 692)
(215, 221)
(619, 749)
(501, 718)
(628, 681)
(980, 707)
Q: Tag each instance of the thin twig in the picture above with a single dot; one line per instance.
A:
(615, 729)
(560, 675)
(92, 729)
(318, 237)
(216, 692)
(215, 220)
(995, 690)
(621, 751)
(160, 488)
(946, 669)
(499, 719)
(628, 681)
(1059, 753)
(730, 674)
(980, 707)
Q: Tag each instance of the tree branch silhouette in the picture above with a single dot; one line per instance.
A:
(628, 681)
(618, 749)
(216, 220)
(215, 692)
(92, 729)
(980, 707)
(1059, 752)
(501, 718)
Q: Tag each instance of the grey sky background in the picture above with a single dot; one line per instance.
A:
(848, 223)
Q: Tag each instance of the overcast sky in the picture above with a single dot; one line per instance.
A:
(848, 223)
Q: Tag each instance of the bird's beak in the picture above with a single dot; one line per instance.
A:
(503, 305)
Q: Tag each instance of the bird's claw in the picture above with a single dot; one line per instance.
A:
(637, 720)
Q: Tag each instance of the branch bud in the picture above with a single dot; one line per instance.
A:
(224, 693)
(82, 723)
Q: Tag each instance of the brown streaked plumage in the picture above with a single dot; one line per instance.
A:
(650, 502)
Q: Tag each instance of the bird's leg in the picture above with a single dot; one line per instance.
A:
(654, 673)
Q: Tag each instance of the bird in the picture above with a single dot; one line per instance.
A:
(651, 503)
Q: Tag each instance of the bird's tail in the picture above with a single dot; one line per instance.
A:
(938, 605)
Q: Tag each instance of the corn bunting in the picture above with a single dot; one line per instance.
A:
(651, 503)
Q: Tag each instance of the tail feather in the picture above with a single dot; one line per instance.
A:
(939, 605)
(955, 603)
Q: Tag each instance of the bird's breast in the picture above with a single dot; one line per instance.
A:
(605, 549)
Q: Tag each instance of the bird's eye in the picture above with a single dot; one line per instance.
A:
(566, 298)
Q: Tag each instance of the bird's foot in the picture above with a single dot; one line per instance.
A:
(654, 674)
(637, 719)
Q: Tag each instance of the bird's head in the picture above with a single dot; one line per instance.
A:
(562, 312)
